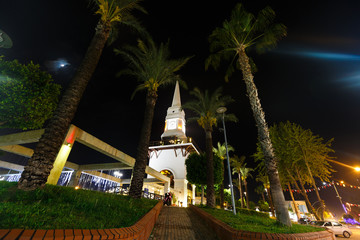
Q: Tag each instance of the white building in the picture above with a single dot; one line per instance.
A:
(168, 155)
(301, 206)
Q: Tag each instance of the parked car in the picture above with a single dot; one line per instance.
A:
(304, 221)
(336, 227)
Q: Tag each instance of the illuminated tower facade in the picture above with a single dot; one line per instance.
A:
(168, 155)
(175, 119)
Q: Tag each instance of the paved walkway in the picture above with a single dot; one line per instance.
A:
(175, 223)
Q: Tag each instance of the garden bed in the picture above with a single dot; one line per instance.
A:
(34, 214)
(228, 226)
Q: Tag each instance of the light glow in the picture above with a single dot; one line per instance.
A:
(118, 174)
(179, 124)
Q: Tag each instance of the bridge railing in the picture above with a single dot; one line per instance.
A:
(144, 194)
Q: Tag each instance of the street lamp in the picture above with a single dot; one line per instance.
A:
(222, 110)
(357, 169)
(337, 195)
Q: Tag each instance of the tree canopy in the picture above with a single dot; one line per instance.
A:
(28, 95)
(296, 147)
(301, 157)
(196, 170)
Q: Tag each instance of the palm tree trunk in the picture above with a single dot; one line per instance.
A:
(240, 190)
(222, 193)
(138, 172)
(36, 172)
(202, 194)
(293, 200)
(282, 214)
(247, 194)
(271, 203)
(303, 192)
(210, 191)
(322, 207)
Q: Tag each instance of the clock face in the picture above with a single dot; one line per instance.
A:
(172, 124)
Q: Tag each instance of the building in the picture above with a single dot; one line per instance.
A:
(168, 155)
(301, 206)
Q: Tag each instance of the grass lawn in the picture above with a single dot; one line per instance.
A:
(55, 207)
(247, 222)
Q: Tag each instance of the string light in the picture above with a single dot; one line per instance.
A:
(326, 185)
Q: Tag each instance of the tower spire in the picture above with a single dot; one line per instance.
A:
(176, 99)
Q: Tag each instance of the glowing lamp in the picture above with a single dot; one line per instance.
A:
(77, 187)
(357, 169)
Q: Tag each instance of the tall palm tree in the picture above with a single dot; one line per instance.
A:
(237, 35)
(245, 173)
(237, 163)
(152, 66)
(220, 151)
(112, 13)
(205, 107)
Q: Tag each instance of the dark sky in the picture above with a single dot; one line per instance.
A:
(312, 78)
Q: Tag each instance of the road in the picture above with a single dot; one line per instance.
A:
(355, 234)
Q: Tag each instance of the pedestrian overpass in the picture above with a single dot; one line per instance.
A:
(12, 143)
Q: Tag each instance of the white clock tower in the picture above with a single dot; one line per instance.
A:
(175, 119)
(168, 155)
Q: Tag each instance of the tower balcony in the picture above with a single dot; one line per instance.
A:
(172, 141)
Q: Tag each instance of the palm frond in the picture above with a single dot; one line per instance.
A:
(152, 64)
(205, 106)
(243, 30)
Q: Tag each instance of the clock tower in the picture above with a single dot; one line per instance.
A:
(175, 119)
(168, 155)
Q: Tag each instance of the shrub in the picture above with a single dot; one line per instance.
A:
(263, 206)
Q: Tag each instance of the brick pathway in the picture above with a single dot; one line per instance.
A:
(176, 223)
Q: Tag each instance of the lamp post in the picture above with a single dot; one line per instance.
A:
(337, 195)
(222, 110)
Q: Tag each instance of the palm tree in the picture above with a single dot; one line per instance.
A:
(260, 190)
(152, 67)
(231, 41)
(220, 151)
(245, 173)
(205, 107)
(237, 163)
(112, 13)
(262, 177)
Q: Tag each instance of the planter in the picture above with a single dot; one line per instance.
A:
(139, 231)
(225, 232)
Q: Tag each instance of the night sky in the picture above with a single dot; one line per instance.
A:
(312, 78)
